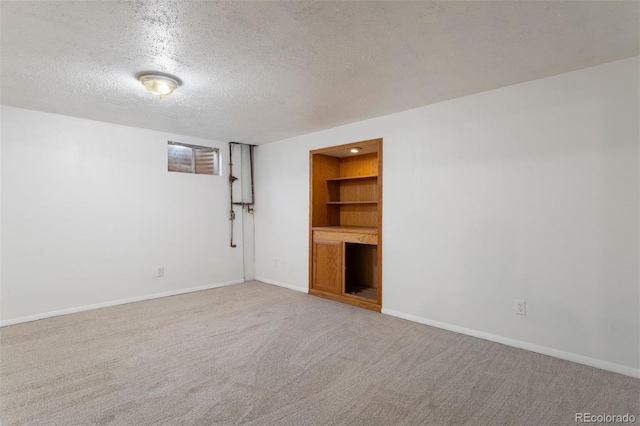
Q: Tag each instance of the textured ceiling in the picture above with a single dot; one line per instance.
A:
(258, 72)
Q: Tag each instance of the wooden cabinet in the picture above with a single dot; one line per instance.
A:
(327, 265)
(346, 223)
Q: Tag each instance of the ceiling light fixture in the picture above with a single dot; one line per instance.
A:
(355, 150)
(159, 84)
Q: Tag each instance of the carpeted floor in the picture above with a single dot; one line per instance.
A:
(257, 354)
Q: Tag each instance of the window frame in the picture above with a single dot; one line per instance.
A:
(216, 158)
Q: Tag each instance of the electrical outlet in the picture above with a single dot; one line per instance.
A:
(160, 272)
(521, 307)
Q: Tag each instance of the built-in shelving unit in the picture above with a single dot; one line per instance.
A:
(346, 223)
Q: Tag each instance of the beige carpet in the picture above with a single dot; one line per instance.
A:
(258, 354)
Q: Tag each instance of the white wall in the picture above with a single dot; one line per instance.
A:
(89, 212)
(526, 192)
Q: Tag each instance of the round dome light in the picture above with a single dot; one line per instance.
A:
(160, 85)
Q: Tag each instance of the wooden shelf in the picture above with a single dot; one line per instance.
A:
(355, 229)
(338, 179)
(350, 202)
(365, 293)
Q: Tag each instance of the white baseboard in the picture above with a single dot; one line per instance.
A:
(556, 353)
(50, 314)
(279, 284)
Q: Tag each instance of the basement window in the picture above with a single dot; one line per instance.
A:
(185, 158)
